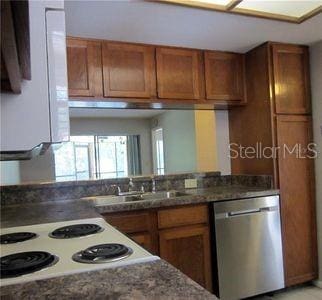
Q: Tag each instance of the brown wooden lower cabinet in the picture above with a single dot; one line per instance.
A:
(180, 235)
(188, 249)
(140, 226)
(144, 239)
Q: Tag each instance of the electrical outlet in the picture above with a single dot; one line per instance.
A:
(190, 183)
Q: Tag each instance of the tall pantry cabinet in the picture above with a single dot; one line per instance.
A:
(278, 116)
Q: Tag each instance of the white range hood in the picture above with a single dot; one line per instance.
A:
(39, 115)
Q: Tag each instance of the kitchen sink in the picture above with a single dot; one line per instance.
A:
(112, 199)
(162, 195)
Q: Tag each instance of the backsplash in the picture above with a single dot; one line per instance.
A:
(59, 191)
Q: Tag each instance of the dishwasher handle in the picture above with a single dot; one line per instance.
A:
(246, 212)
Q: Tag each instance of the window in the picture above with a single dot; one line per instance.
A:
(158, 152)
(96, 157)
(111, 153)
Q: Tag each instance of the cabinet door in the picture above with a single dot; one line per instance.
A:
(296, 179)
(224, 76)
(188, 249)
(128, 70)
(179, 74)
(84, 67)
(141, 226)
(144, 239)
(291, 79)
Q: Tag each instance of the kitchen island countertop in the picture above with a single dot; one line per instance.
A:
(151, 280)
(46, 212)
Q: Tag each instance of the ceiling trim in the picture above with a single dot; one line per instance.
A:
(232, 9)
(232, 4)
(310, 14)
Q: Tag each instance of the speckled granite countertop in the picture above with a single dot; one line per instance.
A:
(194, 196)
(56, 211)
(153, 280)
(46, 212)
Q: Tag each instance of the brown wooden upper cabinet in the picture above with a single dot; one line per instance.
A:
(291, 79)
(179, 73)
(84, 67)
(224, 76)
(128, 70)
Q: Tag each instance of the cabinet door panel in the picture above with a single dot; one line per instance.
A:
(296, 179)
(291, 77)
(179, 74)
(224, 76)
(141, 226)
(188, 249)
(84, 68)
(144, 240)
(129, 70)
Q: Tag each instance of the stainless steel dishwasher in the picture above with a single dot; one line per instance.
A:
(248, 247)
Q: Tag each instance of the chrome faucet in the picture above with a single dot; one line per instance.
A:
(117, 189)
(131, 185)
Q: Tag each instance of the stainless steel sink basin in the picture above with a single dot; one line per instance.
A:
(162, 195)
(111, 199)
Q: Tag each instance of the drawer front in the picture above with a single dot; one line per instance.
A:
(129, 222)
(173, 217)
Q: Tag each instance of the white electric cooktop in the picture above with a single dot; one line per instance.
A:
(48, 255)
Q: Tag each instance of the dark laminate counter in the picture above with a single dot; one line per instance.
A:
(195, 196)
(46, 212)
(153, 280)
(56, 211)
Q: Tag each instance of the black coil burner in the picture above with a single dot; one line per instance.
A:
(73, 231)
(103, 253)
(16, 237)
(17, 264)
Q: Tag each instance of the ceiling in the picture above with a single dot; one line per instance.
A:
(296, 11)
(168, 24)
(113, 113)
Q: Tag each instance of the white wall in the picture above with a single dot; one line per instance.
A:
(9, 172)
(316, 86)
(222, 134)
(118, 126)
(179, 140)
